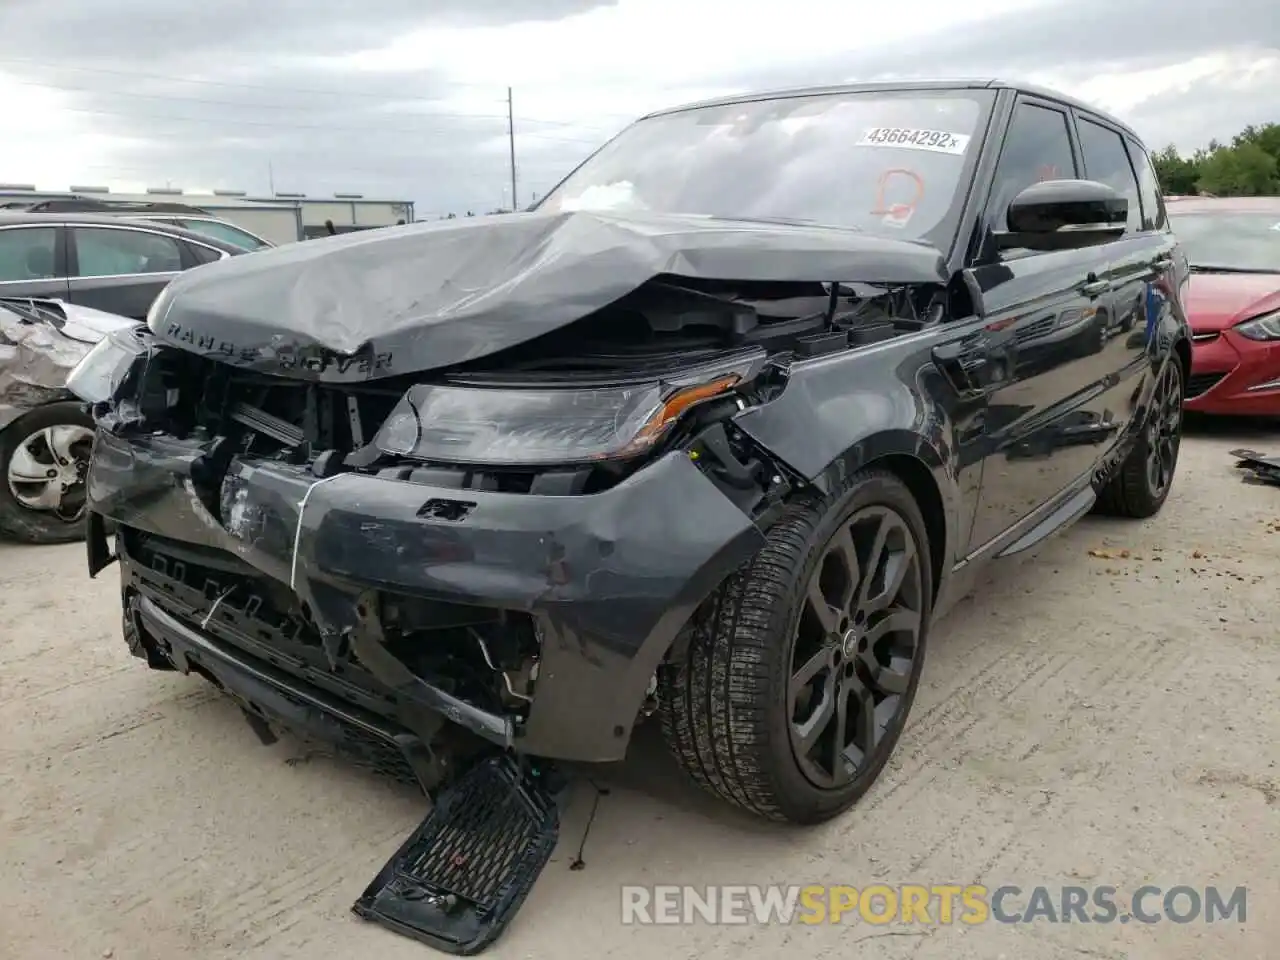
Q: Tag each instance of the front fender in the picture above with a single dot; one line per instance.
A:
(840, 414)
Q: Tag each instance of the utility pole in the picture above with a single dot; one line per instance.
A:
(511, 139)
(271, 178)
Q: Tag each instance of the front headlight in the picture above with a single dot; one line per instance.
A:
(98, 376)
(1265, 327)
(533, 426)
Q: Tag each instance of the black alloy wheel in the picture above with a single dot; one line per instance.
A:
(855, 646)
(801, 669)
(1142, 484)
(1164, 431)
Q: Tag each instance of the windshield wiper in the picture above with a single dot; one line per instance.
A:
(1207, 268)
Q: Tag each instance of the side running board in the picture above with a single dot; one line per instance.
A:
(459, 879)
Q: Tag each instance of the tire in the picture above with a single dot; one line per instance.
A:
(21, 522)
(1135, 492)
(725, 707)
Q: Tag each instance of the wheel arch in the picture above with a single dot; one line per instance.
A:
(909, 456)
(914, 460)
(1182, 353)
(28, 401)
(919, 479)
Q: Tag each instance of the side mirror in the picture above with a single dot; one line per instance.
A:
(1064, 215)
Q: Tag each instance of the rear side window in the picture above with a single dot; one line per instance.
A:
(1107, 161)
(202, 254)
(225, 232)
(106, 252)
(27, 253)
(1153, 212)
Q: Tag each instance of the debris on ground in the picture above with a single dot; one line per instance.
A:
(1260, 467)
(1101, 554)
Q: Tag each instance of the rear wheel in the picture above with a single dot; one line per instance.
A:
(1145, 478)
(803, 667)
(44, 457)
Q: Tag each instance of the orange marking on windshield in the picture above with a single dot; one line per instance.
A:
(899, 213)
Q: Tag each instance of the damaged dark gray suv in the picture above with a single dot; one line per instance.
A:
(716, 432)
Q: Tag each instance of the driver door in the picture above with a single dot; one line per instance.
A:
(1042, 334)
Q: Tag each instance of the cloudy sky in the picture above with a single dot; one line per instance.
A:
(407, 100)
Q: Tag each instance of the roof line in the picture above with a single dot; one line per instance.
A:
(902, 86)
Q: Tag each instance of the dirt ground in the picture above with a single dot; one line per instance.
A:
(1092, 716)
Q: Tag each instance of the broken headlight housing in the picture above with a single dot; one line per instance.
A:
(504, 424)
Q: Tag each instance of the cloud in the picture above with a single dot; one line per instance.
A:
(408, 100)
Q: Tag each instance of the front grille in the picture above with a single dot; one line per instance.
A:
(488, 826)
(1199, 383)
(1035, 329)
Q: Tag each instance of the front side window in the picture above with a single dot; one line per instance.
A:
(893, 164)
(107, 252)
(1107, 161)
(27, 253)
(1036, 148)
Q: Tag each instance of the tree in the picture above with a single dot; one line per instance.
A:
(1177, 175)
(1266, 136)
(1246, 170)
(1247, 167)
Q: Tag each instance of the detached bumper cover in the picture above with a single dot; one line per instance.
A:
(610, 578)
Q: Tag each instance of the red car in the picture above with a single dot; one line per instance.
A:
(1233, 302)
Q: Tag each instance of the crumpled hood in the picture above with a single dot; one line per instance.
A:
(37, 356)
(1215, 301)
(428, 295)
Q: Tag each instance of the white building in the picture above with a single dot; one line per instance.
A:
(282, 218)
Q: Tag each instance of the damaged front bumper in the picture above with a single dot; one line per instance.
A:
(608, 579)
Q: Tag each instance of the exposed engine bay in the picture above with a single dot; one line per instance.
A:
(660, 329)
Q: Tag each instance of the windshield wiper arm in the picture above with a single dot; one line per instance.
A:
(1209, 268)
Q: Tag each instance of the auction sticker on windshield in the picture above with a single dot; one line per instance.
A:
(937, 141)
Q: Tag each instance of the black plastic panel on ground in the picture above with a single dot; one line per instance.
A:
(458, 881)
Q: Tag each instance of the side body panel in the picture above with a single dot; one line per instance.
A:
(1045, 316)
(1042, 428)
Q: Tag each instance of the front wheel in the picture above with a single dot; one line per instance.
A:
(1144, 480)
(44, 457)
(803, 667)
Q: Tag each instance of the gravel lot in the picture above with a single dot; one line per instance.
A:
(1106, 712)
